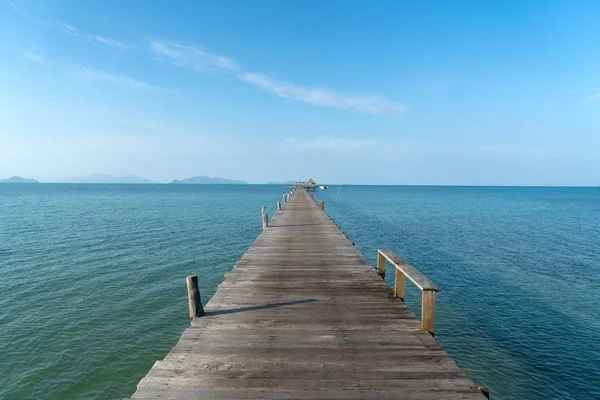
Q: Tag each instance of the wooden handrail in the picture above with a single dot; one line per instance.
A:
(420, 280)
(405, 270)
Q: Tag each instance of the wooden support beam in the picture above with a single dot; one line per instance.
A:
(265, 220)
(278, 206)
(194, 300)
(428, 311)
(399, 284)
(322, 205)
(380, 265)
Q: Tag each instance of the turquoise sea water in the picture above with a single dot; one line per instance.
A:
(92, 277)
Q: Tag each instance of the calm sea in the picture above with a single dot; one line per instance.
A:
(92, 277)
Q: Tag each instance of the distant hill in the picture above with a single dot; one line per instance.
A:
(104, 178)
(18, 179)
(202, 180)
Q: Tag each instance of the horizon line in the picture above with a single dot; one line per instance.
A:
(282, 183)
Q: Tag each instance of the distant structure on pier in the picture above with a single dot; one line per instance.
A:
(309, 185)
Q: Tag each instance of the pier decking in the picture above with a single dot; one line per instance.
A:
(303, 315)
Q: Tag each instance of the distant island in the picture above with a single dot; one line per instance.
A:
(104, 178)
(203, 180)
(18, 179)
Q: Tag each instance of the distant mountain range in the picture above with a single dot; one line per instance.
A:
(203, 180)
(132, 179)
(18, 179)
(104, 178)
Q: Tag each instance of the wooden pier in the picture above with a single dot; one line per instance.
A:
(303, 315)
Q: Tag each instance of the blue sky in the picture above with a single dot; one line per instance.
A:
(421, 92)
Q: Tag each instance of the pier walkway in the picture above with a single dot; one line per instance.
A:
(303, 315)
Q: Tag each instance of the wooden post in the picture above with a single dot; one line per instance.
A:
(278, 206)
(322, 205)
(485, 390)
(284, 198)
(399, 284)
(196, 309)
(428, 311)
(265, 220)
(381, 265)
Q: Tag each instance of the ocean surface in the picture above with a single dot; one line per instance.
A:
(92, 277)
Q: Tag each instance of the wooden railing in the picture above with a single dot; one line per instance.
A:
(405, 270)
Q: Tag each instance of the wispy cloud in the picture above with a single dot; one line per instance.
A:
(71, 30)
(84, 72)
(38, 58)
(114, 43)
(191, 57)
(23, 12)
(117, 80)
(324, 97)
(198, 59)
(325, 143)
(594, 97)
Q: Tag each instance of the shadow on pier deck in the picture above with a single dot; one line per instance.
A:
(303, 315)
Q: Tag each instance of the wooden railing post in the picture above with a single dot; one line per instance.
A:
(428, 311)
(322, 205)
(278, 206)
(265, 220)
(381, 265)
(399, 284)
(284, 198)
(485, 390)
(194, 300)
